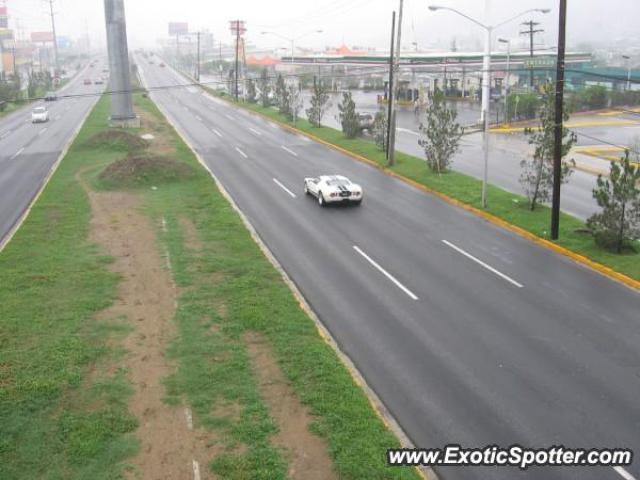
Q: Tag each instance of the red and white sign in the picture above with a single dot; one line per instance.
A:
(41, 37)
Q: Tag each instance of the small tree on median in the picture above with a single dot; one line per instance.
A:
(380, 128)
(251, 91)
(319, 103)
(265, 88)
(348, 116)
(537, 172)
(619, 196)
(280, 91)
(440, 135)
(295, 101)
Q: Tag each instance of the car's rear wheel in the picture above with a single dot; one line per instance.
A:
(321, 201)
(357, 202)
(306, 189)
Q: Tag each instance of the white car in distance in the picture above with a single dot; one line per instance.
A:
(333, 189)
(39, 114)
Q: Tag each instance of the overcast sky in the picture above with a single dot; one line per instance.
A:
(354, 22)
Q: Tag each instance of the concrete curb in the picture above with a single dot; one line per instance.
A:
(578, 258)
(376, 403)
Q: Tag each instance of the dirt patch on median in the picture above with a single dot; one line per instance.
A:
(306, 453)
(147, 299)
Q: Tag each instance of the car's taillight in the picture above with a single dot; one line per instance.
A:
(334, 194)
(357, 194)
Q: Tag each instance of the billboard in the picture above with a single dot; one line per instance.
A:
(6, 34)
(178, 28)
(41, 37)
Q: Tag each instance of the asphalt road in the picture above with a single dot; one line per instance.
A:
(527, 347)
(29, 151)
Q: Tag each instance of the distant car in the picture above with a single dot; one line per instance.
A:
(105, 70)
(151, 62)
(50, 97)
(333, 189)
(87, 81)
(98, 81)
(162, 65)
(39, 115)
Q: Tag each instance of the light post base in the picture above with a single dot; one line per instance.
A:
(133, 122)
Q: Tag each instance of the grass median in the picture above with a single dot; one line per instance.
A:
(507, 206)
(65, 384)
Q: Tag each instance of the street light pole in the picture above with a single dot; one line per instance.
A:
(508, 77)
(292, 40)
(486, 78)
(628, 59)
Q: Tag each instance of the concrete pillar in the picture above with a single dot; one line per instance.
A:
(119, 76)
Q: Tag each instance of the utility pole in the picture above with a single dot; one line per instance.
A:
(390, 84)
(55, 39)
(557, 151)
(198, 60)
(396, 67)
(122, 114)
(237, 54)
(531, 32)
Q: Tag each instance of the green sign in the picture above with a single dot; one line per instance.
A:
(540, 62)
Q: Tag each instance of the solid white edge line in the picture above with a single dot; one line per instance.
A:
(480, 262)
(216, 132)
(18, 153)
(289, 151)
(385, 273)
(255, 131)
(241, 153)
(284, 188)
(229, 117)
(196, 470)
(624, 474)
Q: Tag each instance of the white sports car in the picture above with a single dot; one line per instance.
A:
(333, 189)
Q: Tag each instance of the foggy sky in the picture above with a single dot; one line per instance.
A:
(354, 22)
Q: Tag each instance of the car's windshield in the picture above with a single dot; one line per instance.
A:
(39, 110)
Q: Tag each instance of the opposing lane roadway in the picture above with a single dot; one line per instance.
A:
(29, 151)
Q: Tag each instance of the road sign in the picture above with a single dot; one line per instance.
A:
(540, 62)
(178, 28)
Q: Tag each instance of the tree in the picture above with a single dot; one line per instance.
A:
(279, 91)
(285, 101)
(537, 172)
(319, 103)
(348, 116)
(619, 196)
(265, 88)
(295, 101)
(440, 135)
(251, 91)
(380, 128)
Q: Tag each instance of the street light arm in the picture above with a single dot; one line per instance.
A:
(278, 35)
(306, 34)
(434, 8)
(520, 15)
